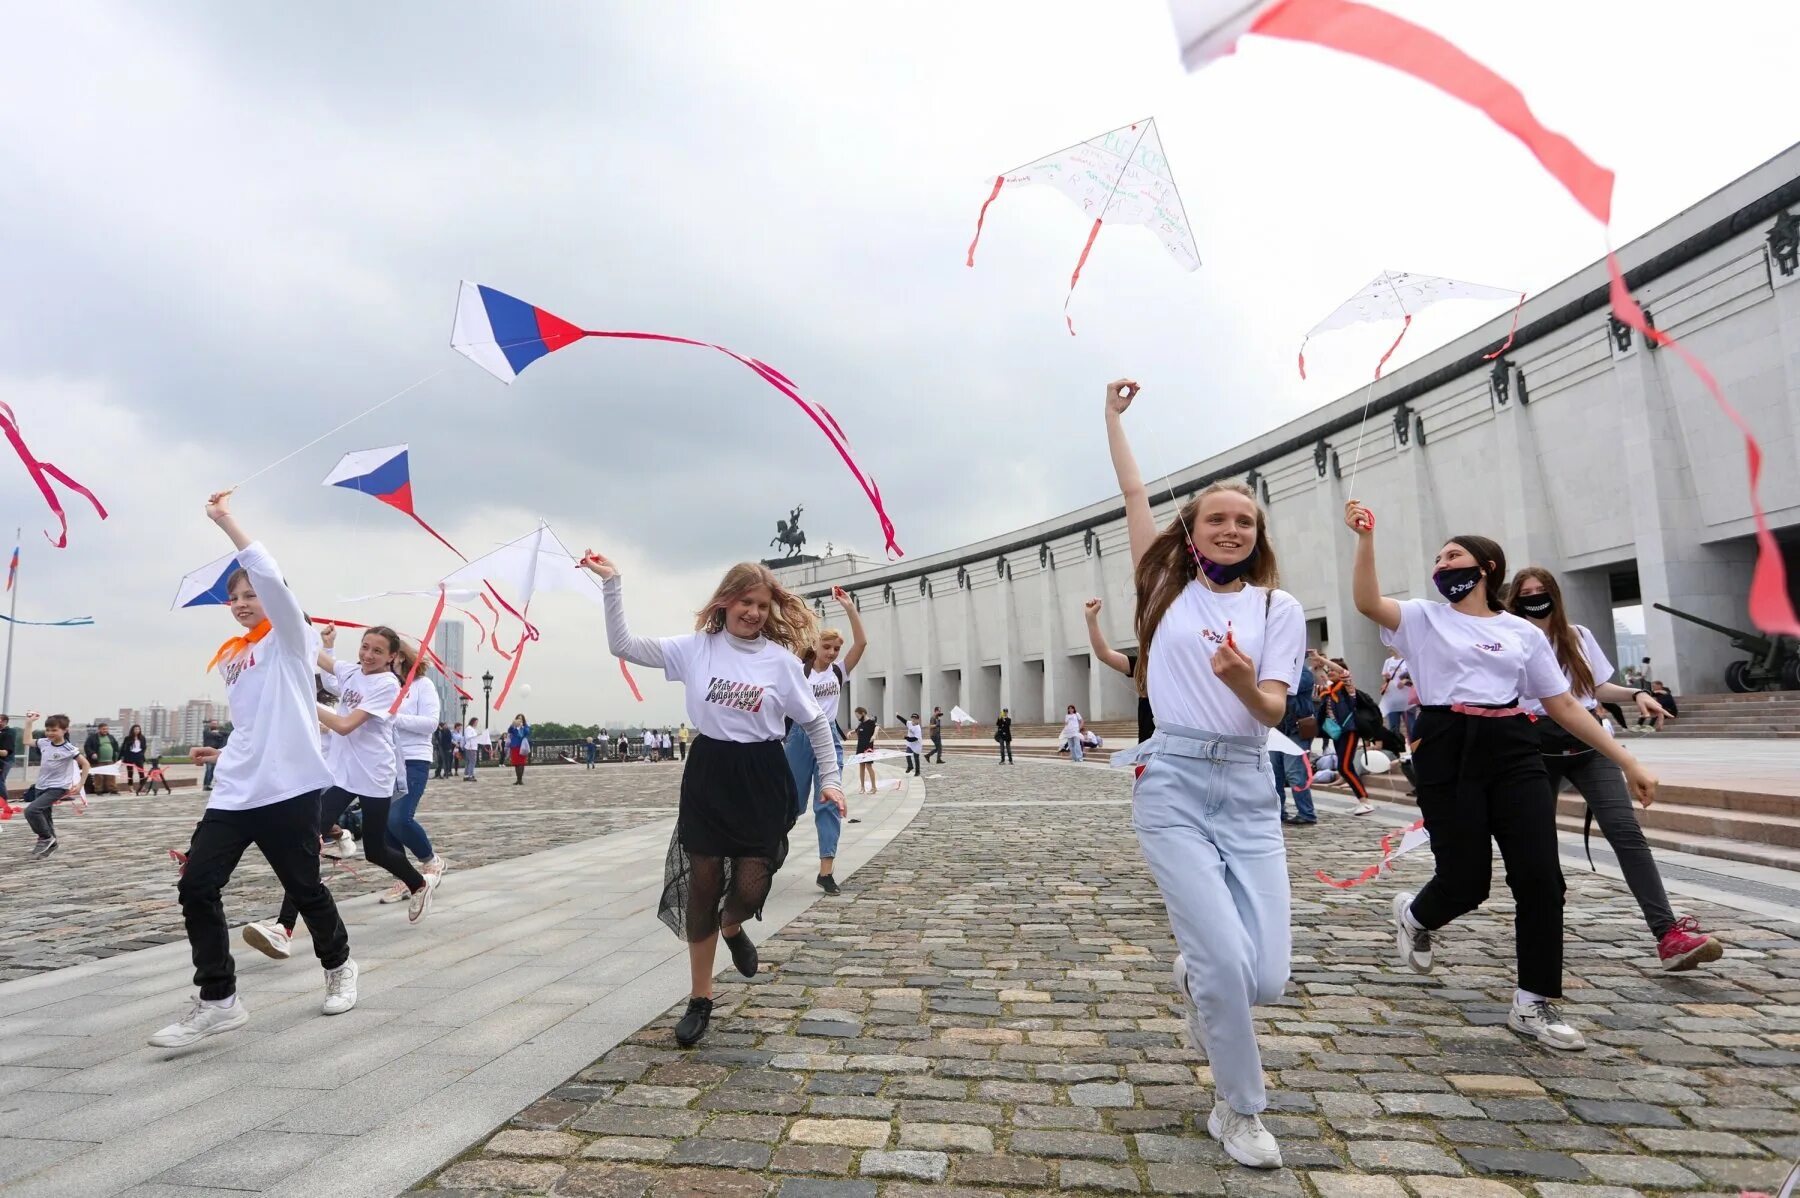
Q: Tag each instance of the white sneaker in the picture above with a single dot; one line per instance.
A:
(270, 939)
(1243, 1137)
(1362, 809)
(1413, 941)
(200, 1022)
(439, 865)
(341, 849)
(340, 989)
(398, 892)
(1196, 1029)
(421, 899)
(1544, 1023)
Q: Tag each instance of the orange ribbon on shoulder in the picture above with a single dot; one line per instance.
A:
(237, 644)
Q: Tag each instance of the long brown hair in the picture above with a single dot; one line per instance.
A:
(1560, 631)
(1168, 565)
(406, 655)
(790, 623)
(1490, 557)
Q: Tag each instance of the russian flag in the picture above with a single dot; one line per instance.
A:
(504, 335)
(12, 572)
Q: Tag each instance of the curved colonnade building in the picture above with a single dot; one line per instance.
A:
(1599, 458)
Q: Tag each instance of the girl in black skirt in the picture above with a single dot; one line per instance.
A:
(745, 685)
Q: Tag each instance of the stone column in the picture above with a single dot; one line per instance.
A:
(1527, 530)
(928, 685)
(1353, 637)
(971, 654)
(1051, 640)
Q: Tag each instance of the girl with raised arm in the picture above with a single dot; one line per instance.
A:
(744, 682)
(1536, 596)
(1480, 775)
(827, 666)
(266, 791)
(1219, 650)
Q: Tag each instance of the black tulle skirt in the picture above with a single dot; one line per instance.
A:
(737, 806)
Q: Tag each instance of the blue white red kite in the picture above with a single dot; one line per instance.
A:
(384, 474)
(503, 335)
(205, 587)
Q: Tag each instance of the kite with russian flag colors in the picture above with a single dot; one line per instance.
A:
(1208, 29)
(205, 587)
(1121, 176)
(503, 335)
(384, 474)
(1401, 295)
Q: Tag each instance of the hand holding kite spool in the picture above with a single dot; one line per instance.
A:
(1358, 519)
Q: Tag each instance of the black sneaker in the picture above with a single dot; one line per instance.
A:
(44, 848)
(828, 884)
(743, 955)
(693, 1024)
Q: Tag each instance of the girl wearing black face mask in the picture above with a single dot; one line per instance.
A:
(1480, 775)
(1535, 595)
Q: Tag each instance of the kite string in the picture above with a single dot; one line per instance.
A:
(340, 428)
(1369, 395)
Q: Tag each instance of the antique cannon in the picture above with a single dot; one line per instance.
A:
(1774, 662)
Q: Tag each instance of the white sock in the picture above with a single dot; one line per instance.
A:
(1406, 916)
(1524, 998)
(220, 1003)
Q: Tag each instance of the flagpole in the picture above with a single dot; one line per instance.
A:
(12, 628)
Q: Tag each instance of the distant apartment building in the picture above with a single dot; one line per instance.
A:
(195, 715)
(448, 645)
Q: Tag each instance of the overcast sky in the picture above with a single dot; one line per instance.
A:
(229, 227)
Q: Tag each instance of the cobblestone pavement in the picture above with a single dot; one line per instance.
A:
(110, 886)
(988, 1010)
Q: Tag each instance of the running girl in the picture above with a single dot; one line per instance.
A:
(738, 801)
(1536, 595)
(1480, 775)
(1220, 650)
(361, 757)
(825, 674)
(415, 727)
(266, 792)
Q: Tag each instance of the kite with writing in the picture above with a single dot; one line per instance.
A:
(1401, 295)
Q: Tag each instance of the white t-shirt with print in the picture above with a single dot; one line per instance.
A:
(1267, 627)
(1454, 658)
(363, 762)
(827, 685)
(738, 690)
(1071, 727)
(58, 770)
(913, 732)
(1597, 662)
(1393, 699)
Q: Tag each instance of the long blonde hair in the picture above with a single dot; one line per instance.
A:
(790, 623)
(1168, 565)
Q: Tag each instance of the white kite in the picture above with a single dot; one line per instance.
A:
(1121, 176)
(874, 755)
(1401, 295)
(958, 716)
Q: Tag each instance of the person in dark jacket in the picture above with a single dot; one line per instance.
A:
(1293, 772)
(215, 737)
(102, 748)
(9, 749)
(443, 744)
(1660, 692)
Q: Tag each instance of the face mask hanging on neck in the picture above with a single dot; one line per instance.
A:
(1217, 573)
(1538, 606)
(1453, 584)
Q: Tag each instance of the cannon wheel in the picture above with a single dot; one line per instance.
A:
(1790, 674)
(1737, 677)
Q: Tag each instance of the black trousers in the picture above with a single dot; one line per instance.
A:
(937, 747)
(287, 833)
(376, 845)
(1006, 750)
(1481, 781)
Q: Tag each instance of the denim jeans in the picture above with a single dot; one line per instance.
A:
(1075, 753)
(1291, 773)
(403, 822)
(1201, 813)
(805, 768)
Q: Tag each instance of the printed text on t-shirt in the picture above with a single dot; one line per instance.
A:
(739, 696)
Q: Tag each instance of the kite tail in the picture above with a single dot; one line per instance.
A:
(437, 613)
(42, 473)
(1510, 333)
(518, 655)
(476, 620)
(1404, 325)
(630, 681)
(1770, 608)
(982, 217)
(440, 537)
(1076, 277)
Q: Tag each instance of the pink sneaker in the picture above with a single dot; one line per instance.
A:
(1686, 946)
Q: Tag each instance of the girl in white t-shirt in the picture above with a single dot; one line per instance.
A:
(744, 683)
(1536, 596)
(362, 758)
(266, 786)
(1072, 729)
(828, 667)
(1221, 650)
(1480, 777)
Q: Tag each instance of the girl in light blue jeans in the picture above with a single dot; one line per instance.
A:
(1221, 651)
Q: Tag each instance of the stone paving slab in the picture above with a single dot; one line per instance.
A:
(990, 1012)
(110, 887)
(525, 971)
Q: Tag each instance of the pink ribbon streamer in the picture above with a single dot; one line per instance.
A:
(1379, 36)
(1076, 277)
(1510, 333)
(1404, 325)
(43, 473)
(630, 681)
(1374, 871)
(981, 218)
